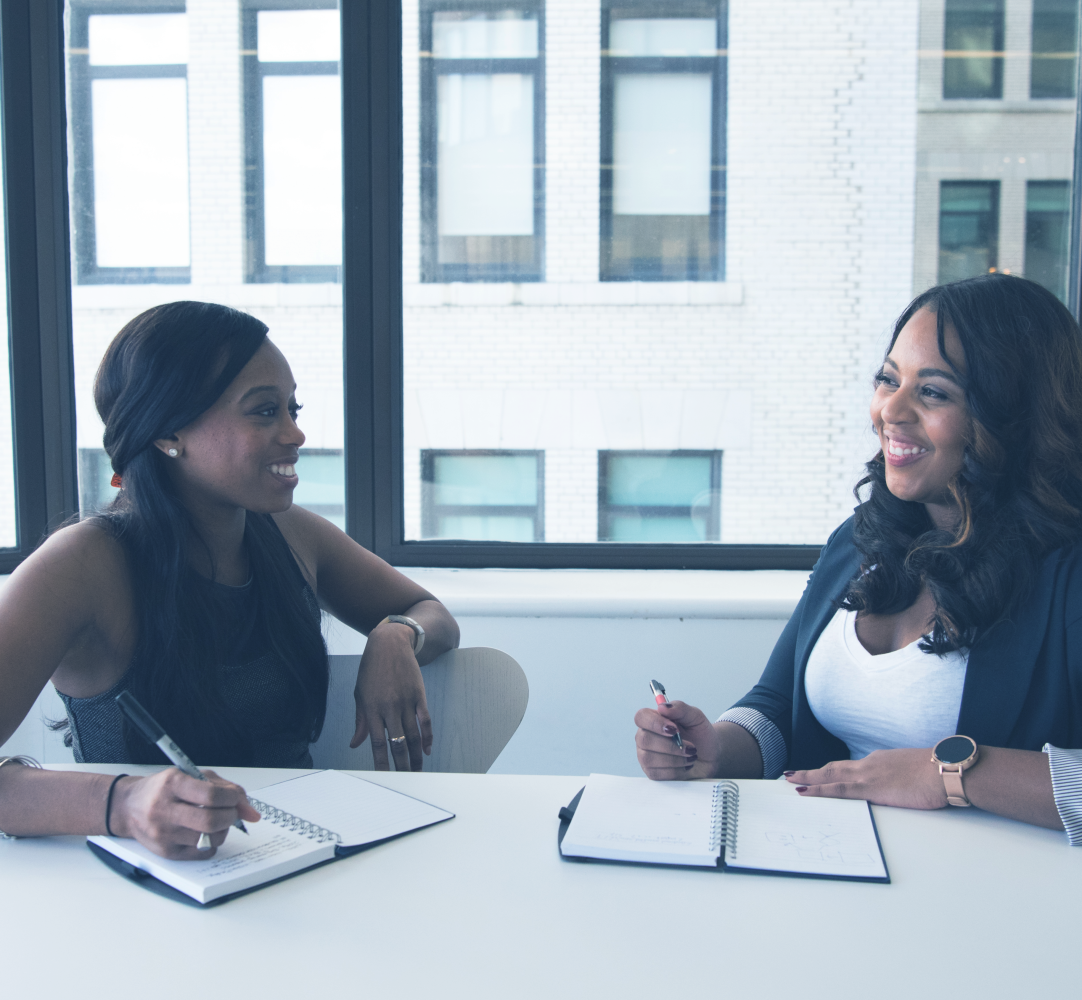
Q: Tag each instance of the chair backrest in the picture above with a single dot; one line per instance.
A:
(476, 697)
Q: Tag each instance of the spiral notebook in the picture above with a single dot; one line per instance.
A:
(307, 821)
(761, 827)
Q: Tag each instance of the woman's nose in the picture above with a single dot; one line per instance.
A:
(897, 408)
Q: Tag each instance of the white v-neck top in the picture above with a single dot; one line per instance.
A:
(907, 698)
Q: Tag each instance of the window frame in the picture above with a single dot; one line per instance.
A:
(432, 271)
(256, 269)
(996, 189)
(718, 67)
(997, 61)
(431, 511)
(81, 78)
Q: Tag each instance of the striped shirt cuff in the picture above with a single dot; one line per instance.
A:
(1066, 767)
(767, 735)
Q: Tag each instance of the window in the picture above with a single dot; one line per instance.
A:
(129, 98)
(483, 142)
(1048, 231)
(293, 141)
(322, 484)
(659, 496)
(968, 228)
(973, 43)
(483, 495)
(663, 142)
(1053, 67)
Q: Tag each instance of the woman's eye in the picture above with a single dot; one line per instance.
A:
(933, 393)
(295, 408)
(882, 378)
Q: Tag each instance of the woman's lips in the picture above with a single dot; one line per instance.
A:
(902, 453)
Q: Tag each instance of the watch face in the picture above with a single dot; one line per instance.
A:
(954, 749)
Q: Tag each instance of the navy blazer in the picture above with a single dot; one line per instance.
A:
(1023, 685)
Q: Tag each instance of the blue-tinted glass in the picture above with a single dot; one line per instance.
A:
(479, 528)
(485, 480)
(322, 487)
(631, 528)
(657, 480)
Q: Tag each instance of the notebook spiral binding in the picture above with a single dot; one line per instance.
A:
(279, 817)
(723, 817)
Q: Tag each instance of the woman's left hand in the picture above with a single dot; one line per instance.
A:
(390, 697)
(906, 778)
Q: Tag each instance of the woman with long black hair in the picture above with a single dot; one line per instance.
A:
(199, 589)
(936, 655)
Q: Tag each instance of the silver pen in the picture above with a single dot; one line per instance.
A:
(657, 689)
(153, 731)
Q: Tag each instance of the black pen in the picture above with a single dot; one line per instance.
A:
(152, 730)
(657, 689)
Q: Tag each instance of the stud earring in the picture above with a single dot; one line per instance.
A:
(173, 453)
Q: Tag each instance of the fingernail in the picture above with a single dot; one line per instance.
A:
(693, 758)
(801, 788)
(788, 774)
(688, 767)
(668, 704)
(669, 730)
(689, 747)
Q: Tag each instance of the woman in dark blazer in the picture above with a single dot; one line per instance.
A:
(965, 548)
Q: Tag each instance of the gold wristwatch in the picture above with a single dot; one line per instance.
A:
(954, 755)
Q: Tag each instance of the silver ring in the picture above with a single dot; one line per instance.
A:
(203, 843)
(398, 739)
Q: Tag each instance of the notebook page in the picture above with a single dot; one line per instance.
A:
(779, 830)
(636, 819)
(266, 853)
(359, 811)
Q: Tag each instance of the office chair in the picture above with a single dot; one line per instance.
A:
(476, 697)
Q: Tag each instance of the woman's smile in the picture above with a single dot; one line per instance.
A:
(898, 451)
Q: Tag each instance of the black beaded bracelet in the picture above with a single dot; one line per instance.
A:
(109, 803)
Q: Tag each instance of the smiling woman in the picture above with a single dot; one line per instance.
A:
(941, 629)
(199, 589)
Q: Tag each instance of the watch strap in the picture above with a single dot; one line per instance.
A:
(952, 783)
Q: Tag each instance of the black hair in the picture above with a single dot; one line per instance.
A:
(1019, 491)
(162, 370)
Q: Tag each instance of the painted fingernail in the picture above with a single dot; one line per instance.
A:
(689, 747)
(688, 767)
(668, 704)
(693, 758)
(788, 774)
(801, 788)
(669, 730)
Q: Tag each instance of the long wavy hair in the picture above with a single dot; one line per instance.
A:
(166, 367)
(1019, 491)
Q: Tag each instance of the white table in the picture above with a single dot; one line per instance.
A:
(483, 907)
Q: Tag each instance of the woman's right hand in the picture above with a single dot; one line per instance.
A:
(168, 811)
(659, 755)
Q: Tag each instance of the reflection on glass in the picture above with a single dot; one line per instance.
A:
(973, 39)
(322, 488)
(298, 35)
(968, 228)
(1048, 231)
(663, 36)
(9, 536)
(507, 34)
(483, 497)
(658, 497)
(138, 39)
(1053, 68)
(140, 130)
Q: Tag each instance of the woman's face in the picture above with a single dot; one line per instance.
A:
(242, 451)
(919, 413)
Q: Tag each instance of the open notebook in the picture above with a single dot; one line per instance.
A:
(306, 821)
(763, 827)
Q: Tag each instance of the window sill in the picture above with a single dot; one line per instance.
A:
(963, 105)
(586, 293)
(591, 593)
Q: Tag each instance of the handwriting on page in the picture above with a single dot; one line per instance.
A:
(227, 864)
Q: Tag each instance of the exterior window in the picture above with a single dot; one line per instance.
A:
(663, 142)
(483, 495)
(968, 228)
(973, 40)
(129, 96)
(1053, 66)
(322, 487)
(1048, 229)
(659, 496)
(482, 126)
(293, 142)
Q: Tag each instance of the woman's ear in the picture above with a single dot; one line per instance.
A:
(170, 446)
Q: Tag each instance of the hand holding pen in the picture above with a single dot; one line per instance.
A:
(152, 731)
(664, 754)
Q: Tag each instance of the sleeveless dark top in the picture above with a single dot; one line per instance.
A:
(255, 686)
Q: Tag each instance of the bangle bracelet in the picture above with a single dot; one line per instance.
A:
(109, 804)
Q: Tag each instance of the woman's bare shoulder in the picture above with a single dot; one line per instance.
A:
(82, 554)
(306, 535)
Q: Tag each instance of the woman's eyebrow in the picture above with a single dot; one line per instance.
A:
(258, 388)
(927, 372)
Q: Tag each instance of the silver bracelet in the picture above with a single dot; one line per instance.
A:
(25, 762)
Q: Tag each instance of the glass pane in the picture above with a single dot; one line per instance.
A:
(726, 244)
(302, 169)
(138, 39)
(298, 35)
(485, 480)
(9, 536)
(140, 130)
(504, 34)
(211, 174)
(1053, 68)
(657, 480)
(663, 36)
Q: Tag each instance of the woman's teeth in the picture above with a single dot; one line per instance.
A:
(283, 470)
(902, 452)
